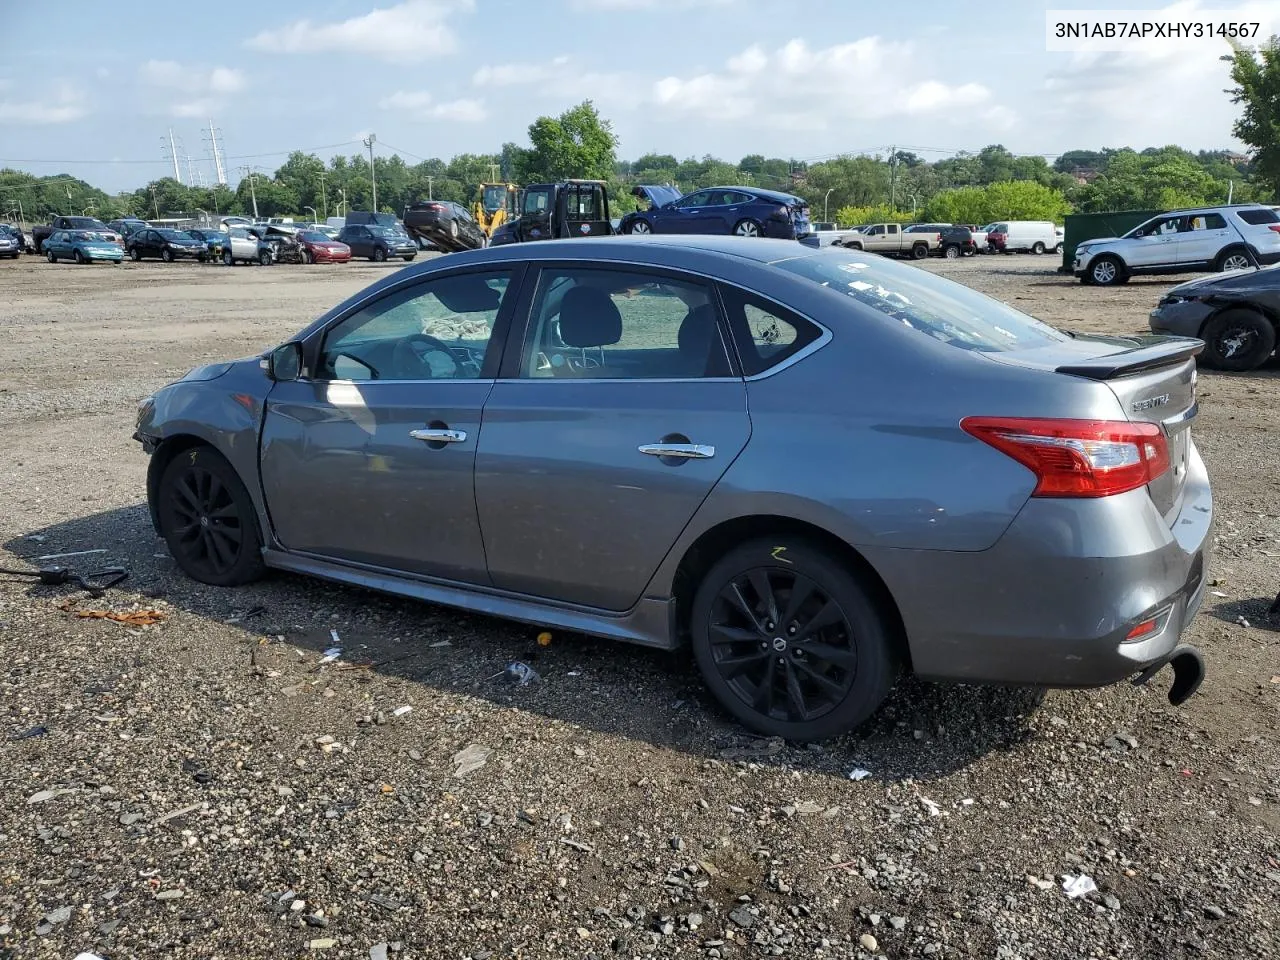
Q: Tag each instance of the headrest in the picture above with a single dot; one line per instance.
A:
(589, 318)
(697, 331)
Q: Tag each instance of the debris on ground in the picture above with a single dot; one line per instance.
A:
(30, 734)
(1078, 885)
(859, 773)
(759, 750)
(470, 759)
(518, 672)
(401, 711)
(130, 618)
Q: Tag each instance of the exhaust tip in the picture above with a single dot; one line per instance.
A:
(1188, 673)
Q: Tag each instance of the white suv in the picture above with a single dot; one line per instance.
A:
(1184, 241)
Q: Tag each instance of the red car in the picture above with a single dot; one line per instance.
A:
(315, 247)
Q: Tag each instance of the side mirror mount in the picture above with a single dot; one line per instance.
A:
(284, 363)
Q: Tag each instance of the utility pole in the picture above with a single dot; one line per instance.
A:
(893, 178)
(68, 189)
(369, 141)
(493, 172)
(219, 168)
(324, 200)
(343, 205)
(430, 196)
(173, 155)
(248, 171)
(154, 202)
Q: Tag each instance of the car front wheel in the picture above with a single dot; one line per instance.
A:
(1238, 340)
(208, 521)
(1107, 271)
(791, 641)
(639, 227)
(51, 256)
(379, 254)
(264, 258)
(228, 259)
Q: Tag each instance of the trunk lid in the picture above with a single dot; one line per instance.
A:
(1153, 377)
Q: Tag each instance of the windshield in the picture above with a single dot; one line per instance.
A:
(931, 305)
(175, 236)
(312, 236)
(85, 223)
(537, 201)
(494, 199)
(390, 233)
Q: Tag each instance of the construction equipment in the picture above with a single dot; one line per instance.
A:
(550, 211)
(495, 206)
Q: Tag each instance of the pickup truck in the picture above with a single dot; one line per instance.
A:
(892, 240)
(40, 234)
(828, 235)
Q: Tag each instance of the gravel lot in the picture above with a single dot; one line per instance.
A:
(206, 787)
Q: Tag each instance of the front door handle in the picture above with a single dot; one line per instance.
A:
(433, 435)
(687, 451)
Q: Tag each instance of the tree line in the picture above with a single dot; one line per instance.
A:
(990, 184)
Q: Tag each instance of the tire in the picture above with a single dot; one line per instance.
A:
(640, 227)
(919, 251)
(408, 259)
(208, 520)
(203, 257)
(857, 665)
(453, 229)
(136, 255)
(1239, 339)
(747, 228)
(1233, 258)
(1058, 249)
(79, 258)
(304, 257)
(1107, 271)
(951, 252)
(1037, 248)
(264, 258)
(228, 259)
(166, 255)
(51, 256)
(379, 255)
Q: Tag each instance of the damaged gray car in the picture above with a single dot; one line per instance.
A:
(819, 468)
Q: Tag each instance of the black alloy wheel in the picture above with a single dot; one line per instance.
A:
(207, 519)
(791, 642)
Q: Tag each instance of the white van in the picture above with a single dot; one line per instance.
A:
(1036, 236)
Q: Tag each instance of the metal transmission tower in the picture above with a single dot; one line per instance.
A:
(171, 148)
(219, 159)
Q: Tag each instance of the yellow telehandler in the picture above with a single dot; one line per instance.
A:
(495, 206)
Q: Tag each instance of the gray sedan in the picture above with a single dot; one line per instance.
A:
(819, 468)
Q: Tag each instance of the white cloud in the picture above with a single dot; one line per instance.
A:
(66, 105)
(513, 74)
(407, 31)
(195, 91)
(648, 4)
(421, 105)
(796, 87)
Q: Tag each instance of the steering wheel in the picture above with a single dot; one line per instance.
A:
(419, 351)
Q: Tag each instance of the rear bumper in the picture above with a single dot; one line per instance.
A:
(1267, 259)
(1053, 601)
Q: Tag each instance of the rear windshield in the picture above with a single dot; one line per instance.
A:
(931, 305)
(1257, 217)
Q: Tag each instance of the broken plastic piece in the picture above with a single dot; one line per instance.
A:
(401, 711)
(859, 773)
(29, 734)
(332, 654)
(520, 673)
(1076, 886)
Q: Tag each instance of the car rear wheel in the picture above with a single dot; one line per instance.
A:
(791, 641)
(1233, 258)
(919, 251)
(228, 259)
(1058, 249)
(1107, 271)
(640, 227)
(136, 255)
(1037, 248)
(208, 520)
(951, 252)
(1238, 340)
(379, 254)
(747, 228)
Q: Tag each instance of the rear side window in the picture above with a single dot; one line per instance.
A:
(764, 333)
(930, 305)
(1206, 221)
(1258, 217)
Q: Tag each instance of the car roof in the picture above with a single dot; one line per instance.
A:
(757, 191)
(1207, 208)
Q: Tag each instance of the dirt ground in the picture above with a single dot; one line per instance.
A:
(207, 787)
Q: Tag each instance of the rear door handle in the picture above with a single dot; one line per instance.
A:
(439, 435)
(687, 451)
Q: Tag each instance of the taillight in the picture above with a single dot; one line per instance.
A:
(1078, 458)
(1275, 227)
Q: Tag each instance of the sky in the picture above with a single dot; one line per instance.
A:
(95, 90)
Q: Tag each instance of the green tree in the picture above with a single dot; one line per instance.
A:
(1157, 179)
(1256, 75)
(856, 216)
(577, 144)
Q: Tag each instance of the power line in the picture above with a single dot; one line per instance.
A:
(166, 161)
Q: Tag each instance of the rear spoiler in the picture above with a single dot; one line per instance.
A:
(1154, 352)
